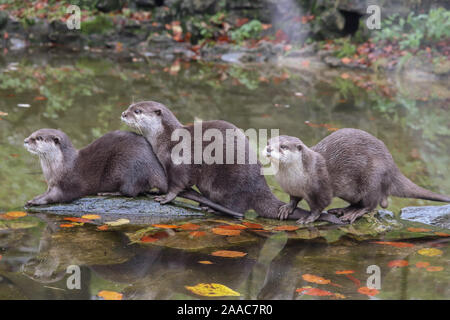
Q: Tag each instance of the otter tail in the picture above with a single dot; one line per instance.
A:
(405, 188)
(268, 205)
(191, 194)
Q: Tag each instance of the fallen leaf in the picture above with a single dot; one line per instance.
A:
(252, 225)
(368, 291)
(212, 290)
(315, 279)
(418, 229)
(118, 222)
(197, 233)
(430, 252)
(205, 262)
(154, 237)
(395, 244)
(189, 226)
(314, 292)
(147, 239)
(232, 227)
(345, 76)
(102, 228)
(398, 263)
(16, 214)
(339, 296)
(75, 219)
(286, 228)
(344, 271)
(435, 269)
(346, 60)
(225, 232)
(67, 225)
(442, 234)
(229, 254)
(40, 98)
(110, 295)
(91, 216)
(165, 226)
(421, 264)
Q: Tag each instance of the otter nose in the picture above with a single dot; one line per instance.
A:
(269, 149)
(124, 114)
(26, 140)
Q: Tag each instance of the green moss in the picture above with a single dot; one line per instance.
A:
(99, 24)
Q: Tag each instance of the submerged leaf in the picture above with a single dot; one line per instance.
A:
(91, 216)
(345, 271)
(368, 291)
(252, 225)
(229, 254)
(286, 228)
(16, 214)
(398, 263)
(226, 232)
(435, 269)
(314, 292)
(430, 252)
(212, 290)
(165, 226)
(205, 262)
(315, 279)
(67, 225)
(189, 226)
(422, 264)
(197, 233)
(110, 295)
(395, 244)
(418, 230)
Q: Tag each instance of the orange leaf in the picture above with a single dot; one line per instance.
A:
(205, 262)
(368, 291)
(315, 292)
(421, 264)
(418, 229)
(229, 254)
(346, 60)
(91, 216)
(286, 228)
(315, 279)
(165, 226)
(232, 227)
(189, 226)
(66, 225)
(435, 269)
(225, 232)
(395, 244)
(147, 239)
(110, 295)
(398, 263)
(252, 225)
(197, 233)
(103, 228)
(75, 219)
(40, 98)
(344, 271)
(345, 76)
(442, 234)
(16, 214)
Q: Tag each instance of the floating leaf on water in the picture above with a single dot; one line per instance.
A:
(229, 254)
(398, 263)
(419, 230)
(165, 226)
(91, 216)
(16, 214)
(435, 269)
(110, 295)
(315, 279)
(212, 290)
(189, 226)
(286, 228)
(421, 264)
(75, 219)
(252, 225)
(226, 232)
(368, 291)
(345, 271)
(442, 234)
(395, 244)
(430, 252)
(148, 239)
(197, 233)
(314, 292)
(103, 227)
(205, 262)
(118, 222)
(154, 237)
(233, 227)
(67, 225)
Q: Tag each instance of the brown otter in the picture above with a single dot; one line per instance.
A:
(350, 164)
(239, 186)
(119, 161)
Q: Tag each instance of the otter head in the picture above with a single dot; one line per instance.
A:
(148, 117)
(46, 143)
(284, 150)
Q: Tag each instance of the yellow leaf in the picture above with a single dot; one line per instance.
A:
(91, 216)
(430, 252)
(16, 214)
(117, 222)
(110, 295)
(205, 262)
(212, 290)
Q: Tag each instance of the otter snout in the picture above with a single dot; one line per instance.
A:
(124, 114)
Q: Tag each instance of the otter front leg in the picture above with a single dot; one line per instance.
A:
(285, 210)
(51, 196)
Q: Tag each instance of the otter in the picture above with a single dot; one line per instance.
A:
(119, 161)
(237, 186)
(349, 164)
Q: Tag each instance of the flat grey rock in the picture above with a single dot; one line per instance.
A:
(433, 215)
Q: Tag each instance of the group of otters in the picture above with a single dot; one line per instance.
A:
(349, 163)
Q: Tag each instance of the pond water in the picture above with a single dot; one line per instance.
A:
(84, 96)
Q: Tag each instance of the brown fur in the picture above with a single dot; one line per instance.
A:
(239, 187)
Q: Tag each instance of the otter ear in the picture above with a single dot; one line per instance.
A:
(299, 147)
(158, 112)
(56, 140)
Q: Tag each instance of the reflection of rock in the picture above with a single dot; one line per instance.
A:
(434, 215)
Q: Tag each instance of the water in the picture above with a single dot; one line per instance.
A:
(84, 96)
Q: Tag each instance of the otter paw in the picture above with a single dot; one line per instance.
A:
(284, 212)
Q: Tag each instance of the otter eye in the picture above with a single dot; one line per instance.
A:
(39, 138)
(283, 147)
(158, 112)
(137, 111)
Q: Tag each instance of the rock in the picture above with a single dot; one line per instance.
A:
(433, 215)
(232, 57)
(17, 44)
(109, 5)
(3, 19)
